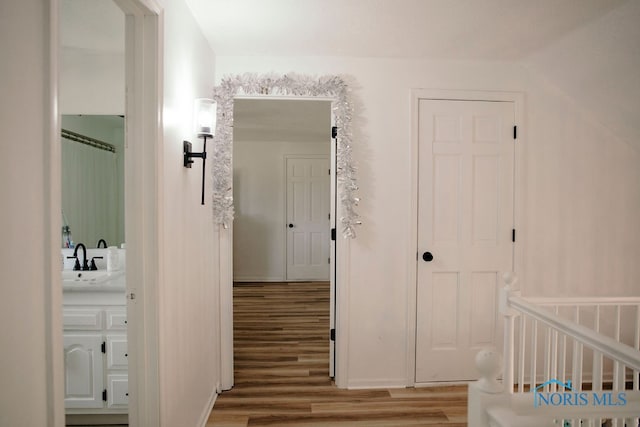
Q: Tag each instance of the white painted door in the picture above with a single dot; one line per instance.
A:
(465, 222)
(308, 218)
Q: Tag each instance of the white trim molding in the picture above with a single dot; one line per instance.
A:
(290, 86)
(144, 29)
(53, 207)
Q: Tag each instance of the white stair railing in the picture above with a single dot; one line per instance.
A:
(578, 357)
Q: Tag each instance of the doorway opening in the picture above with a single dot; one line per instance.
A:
(92, 103)
(139, 60)
(289, 87)
(284, 198)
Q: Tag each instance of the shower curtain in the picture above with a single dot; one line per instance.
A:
(90, 199)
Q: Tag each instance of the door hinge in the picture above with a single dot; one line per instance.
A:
(333, 234)
(513, 235)
(103, 347)
(515, 132)
(329, 260)
(334, 132)
(104, 395)
(332, 335)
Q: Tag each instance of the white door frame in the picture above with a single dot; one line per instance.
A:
(143, 215)
(54, 345)
(342, 269)
(458, 95)
(144, 34)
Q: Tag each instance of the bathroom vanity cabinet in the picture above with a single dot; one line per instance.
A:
(95, 350)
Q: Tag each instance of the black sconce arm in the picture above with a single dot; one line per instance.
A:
(189, 155)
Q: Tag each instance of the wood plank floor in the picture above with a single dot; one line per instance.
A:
(281, 333)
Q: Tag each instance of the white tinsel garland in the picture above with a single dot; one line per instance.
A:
(288, 85)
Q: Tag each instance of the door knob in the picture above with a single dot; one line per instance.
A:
(427, 256)
(290, 225)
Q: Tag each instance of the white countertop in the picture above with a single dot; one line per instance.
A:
(94, 281)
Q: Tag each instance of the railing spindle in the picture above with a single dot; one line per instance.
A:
(554, 351)
(521, 353)
(597, 373)
(508, 352)
(576, 372)
(547, 358)
(563, 359)
(534, 351)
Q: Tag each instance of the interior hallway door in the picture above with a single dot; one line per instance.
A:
(465, 222)
(308, 206)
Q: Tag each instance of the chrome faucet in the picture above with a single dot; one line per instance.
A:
(84, 265)
(103, 242)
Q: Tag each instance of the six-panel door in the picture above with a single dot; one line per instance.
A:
(308, 207)
(465, 221)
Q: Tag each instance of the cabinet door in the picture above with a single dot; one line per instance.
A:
(116, 319)
(117, 352)
(83, 319)
(83, 373)
(118, 391)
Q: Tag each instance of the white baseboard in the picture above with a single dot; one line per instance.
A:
(258, 279)
(442, 383)
(207, 410)
(95, 419)
(377, 383)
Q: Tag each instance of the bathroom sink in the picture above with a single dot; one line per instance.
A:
(88, 277)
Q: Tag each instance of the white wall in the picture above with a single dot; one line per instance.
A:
(583, 198)
(259, 192)
(597, 65)
(382, 254)
(95, 76)
(29, 395)
(189, 359)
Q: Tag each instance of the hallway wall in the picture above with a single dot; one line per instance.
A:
(564, 147)
(188, 305)
(30, 366)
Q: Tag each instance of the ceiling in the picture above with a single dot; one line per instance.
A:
(452, 29)
(281, 120)
(590, 49)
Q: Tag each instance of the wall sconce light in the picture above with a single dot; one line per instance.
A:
(204, 116)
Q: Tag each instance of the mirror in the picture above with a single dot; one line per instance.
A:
(93, 179)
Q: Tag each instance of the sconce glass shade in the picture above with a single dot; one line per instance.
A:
(204, 114)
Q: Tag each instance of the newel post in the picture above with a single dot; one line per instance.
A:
(510, 289)
(487, 390)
